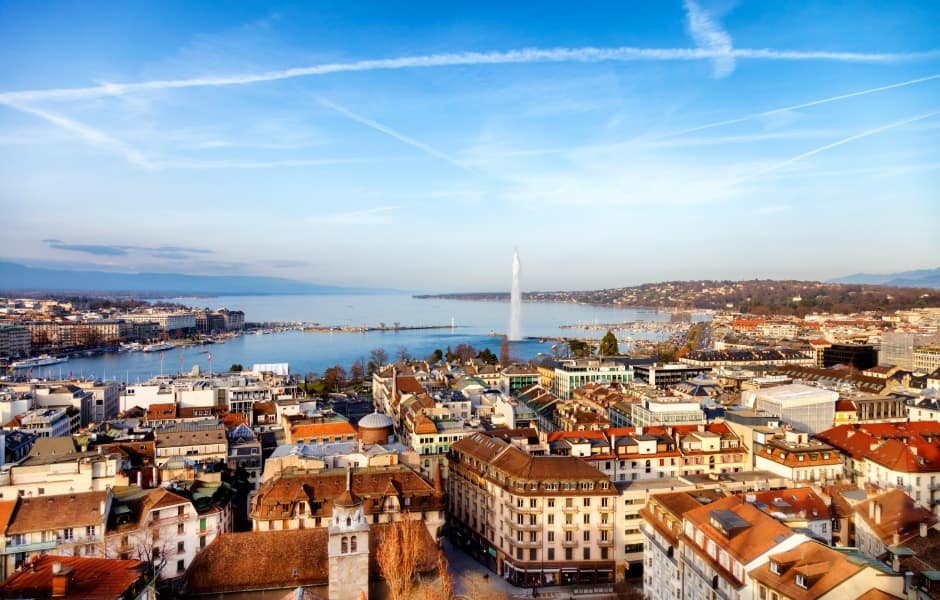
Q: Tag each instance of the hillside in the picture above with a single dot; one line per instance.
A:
(754, 296)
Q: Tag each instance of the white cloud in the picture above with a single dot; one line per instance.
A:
(709, 35)
(520, 56)
(370, 216)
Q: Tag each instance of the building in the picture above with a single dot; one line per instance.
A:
(897, 347)
(803, 407)
(662, 529)
(348, 546)
(82, 578)
(200, 442)
(574, 373)
(61, 525)
(169, 322)
(723, 542)
(303, 500)
(926, 359)
(48, 422)
(799, 508)
(667, 375)
(888, 520)
(776, 357)
(15, 341)
(796, 457)
(517, 377)
(161, 525)
(891, 455)
(857, 356)
(666, 411)
(537, 520)
(814, 571)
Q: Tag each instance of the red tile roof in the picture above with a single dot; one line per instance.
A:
(908, 447)
(92, 578)
(764, 532)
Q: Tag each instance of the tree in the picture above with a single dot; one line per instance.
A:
(443, 588)
(436, 356)
(403, 354)
(504, 351)
(235, 368)
(357, 371)
(334, 377)
(487, 356)
(378, 357)
(609, 345)
(397, 555)
(580, 349)
(464, 352)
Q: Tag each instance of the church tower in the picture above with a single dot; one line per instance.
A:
(348, 546)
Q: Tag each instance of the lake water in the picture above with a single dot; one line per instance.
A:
(306, 352)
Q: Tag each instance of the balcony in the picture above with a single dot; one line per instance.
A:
(606, 543)
(569, 543)
(569, 509)
(529, 544)
(166, 521)
(32, 547)
(569, 526)
(606, 509)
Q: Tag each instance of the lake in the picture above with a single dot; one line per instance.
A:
(314, 352)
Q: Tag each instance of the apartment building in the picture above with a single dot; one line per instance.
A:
(575, 373)
(304, 499)
(61, 525)
(796, 457)
(814, 571)
(536, 520)
(905, 456)
(662, 529)
(200, 443)
(888, 520)
(723, 542)
(159, 525)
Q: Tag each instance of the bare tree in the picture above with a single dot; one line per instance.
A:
(403, 354)
(476, 585)
(397, 555)
(504, 352)
(378, 357)
(357, 371)
(443, 588)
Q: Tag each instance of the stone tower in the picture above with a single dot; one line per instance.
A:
(348, 547)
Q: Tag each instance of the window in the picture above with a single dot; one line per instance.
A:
(587, 554)
(551, 536)
(551, 503)
(569, 554)
(180, 566)
(202, 542)
(587, 535)
(68, 534)
(551, 554)
(90, 531)
(587, 519)
(353, 544)
(587, 502)
(202, 524)
(180, 547)
(551, 519)
(801, 581)
(181, 511)
(344, 545)
(180, 528)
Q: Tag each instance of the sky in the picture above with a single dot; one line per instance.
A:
(414, 145)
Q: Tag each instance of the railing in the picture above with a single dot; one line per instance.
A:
(166, 521)
(608, 542)
(31, 547)
(569, 543)
(570, 509)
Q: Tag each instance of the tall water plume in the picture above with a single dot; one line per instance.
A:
(515, 301)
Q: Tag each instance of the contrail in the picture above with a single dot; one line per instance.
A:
(392, 133)
(836, 144)
(775, 111)
(525, 55)
(89, 134)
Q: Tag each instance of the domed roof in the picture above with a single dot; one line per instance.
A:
(376, 420)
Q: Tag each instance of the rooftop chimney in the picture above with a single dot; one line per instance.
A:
(923, 529)
(61, 580)
(878, 508)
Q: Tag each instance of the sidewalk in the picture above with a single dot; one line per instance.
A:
(473, 581)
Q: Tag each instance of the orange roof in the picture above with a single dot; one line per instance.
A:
(6, 512)
(162, 410)
(899, 514)
(763, 531)
(92, 578)
(822, 567)
(423, 424)
(306, 430)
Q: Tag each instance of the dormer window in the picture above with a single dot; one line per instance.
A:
(774, 567)
(801, 581)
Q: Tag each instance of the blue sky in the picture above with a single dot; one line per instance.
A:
(414, 145)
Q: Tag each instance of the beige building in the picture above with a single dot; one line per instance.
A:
(536, 520)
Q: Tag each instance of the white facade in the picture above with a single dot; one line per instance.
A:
(804, 407)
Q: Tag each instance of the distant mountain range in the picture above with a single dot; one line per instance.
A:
(928, 278)
(14, 277)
